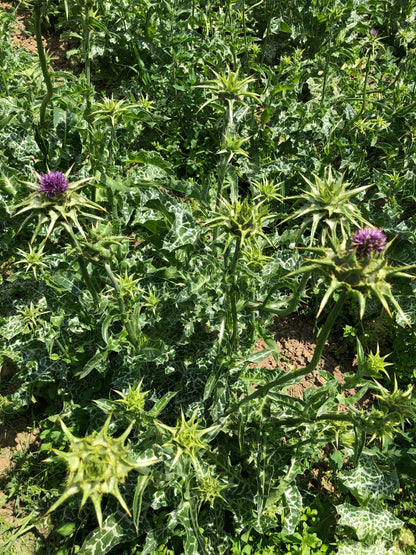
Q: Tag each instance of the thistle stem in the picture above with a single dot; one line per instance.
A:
(43, 63)
(367, 71)
(232, 295)
(87, 279)
(326, 70)
(222, 169)
(86, 25)
(122, 307)
(83, 269)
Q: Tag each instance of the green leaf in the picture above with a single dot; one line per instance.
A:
(293, 509)
(95, 363)
(284, 27)
(258, 356)
(66, 529)
(351, 547)
(183, 231)
(117, 528)
(152, 158)
(161, 403)
(276, 25)
(371, 522)
(367, 481)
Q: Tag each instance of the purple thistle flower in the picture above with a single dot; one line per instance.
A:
(368, 240)
(373, 32)
(53, 184)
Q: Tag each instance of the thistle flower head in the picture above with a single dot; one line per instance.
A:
(367, 241)
(343, 267)
(53, 184)
(375, 364)
(54, 202)
(395, 409)
(210, 488)
(242, 220)
(186, 437)
(133, 400)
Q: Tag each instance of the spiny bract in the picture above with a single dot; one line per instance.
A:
(97, 464)
(341, 267)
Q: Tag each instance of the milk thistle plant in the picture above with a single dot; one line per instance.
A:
(132, 307)
(359, 267)
(185, 439)
(54, 201)
(328, 204)
(229, 89)
(33, 259)
(356, 267)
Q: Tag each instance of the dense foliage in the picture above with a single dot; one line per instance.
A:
(197, 171)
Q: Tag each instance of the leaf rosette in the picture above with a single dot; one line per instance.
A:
(328, 204)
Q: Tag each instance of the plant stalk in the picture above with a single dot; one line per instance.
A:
(84, 270)
(122, 307)
(232, 295)
(289, 376)
(367, 71)
(43, 64)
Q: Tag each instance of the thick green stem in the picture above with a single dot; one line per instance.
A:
(43, 63)
(222, 170)
(328, 55)
(87, 279)
(236, 256)
(83, 269)
(220, 183)
(111, 196)
(232, 295)
(87, 44)
(245, 30)
(324, 333)
(367, 71)
(122, 307)
(289, 376)
(230, 114)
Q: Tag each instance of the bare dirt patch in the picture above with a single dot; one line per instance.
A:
(296, 340)
(24, 38)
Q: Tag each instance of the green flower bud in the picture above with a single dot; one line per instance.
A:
(97, 464)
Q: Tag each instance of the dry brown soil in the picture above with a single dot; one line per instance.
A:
(23, 37)
(296, 340)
